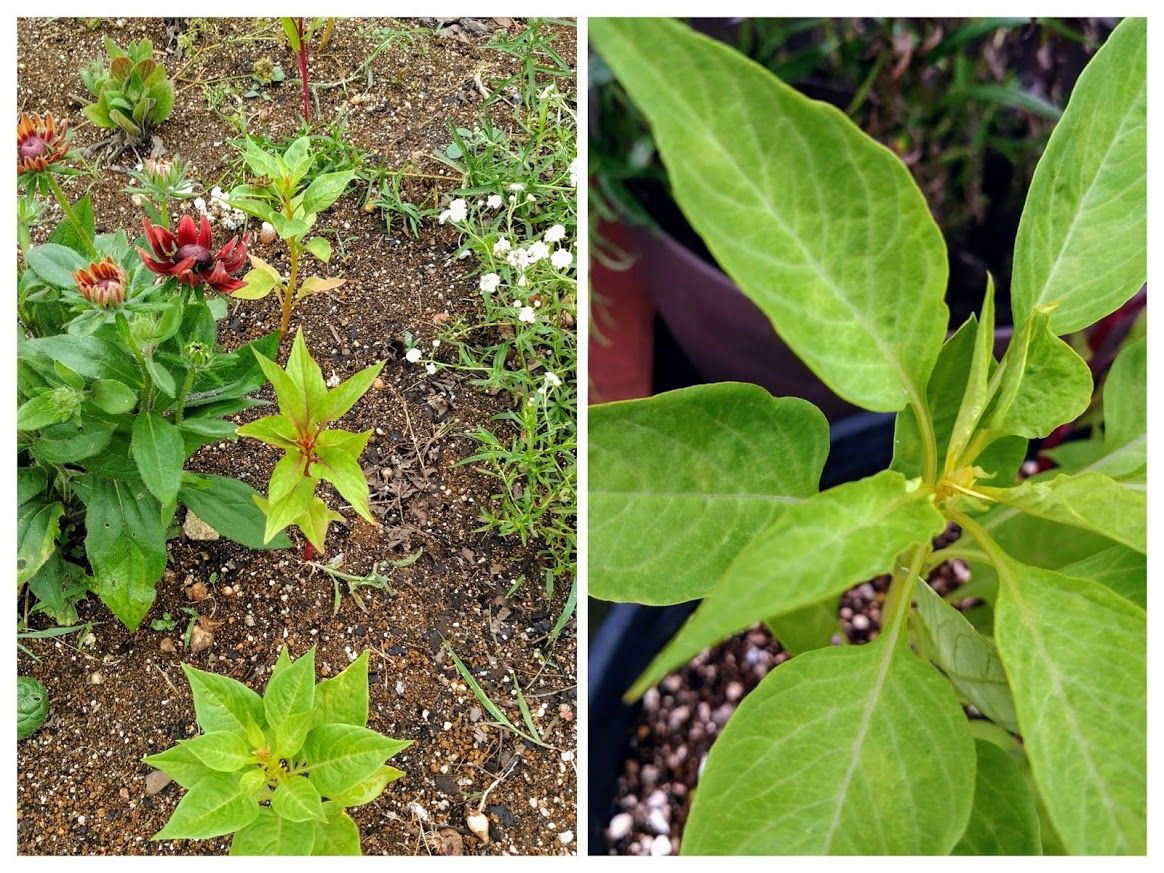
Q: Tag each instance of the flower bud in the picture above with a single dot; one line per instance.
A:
(198, 354)
(102, 283)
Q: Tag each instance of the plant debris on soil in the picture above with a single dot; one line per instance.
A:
(116, 696)
(683, 714)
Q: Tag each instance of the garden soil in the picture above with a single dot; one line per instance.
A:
(117, 696)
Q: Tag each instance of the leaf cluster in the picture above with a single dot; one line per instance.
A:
(865, 750)
(279, 771)
(313, 452)
(132, 90)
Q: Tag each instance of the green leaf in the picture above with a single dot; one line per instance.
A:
(344, 472)
(341, 756)
(966, 657)
(319, 247)
(296, 799)
(180, 764)
(308, 378)
(1091, 501)
(816, 549)
(160, 452)
(213, 806)
(126, 545)
(1075, 653)
(41, 411)
(369, 789)
(1082, 239)
(315, 520)
(325, 190)
(343, 699)
(1122, 570)
(55, 264)
(291, 689)
(824, 229)
(38, 523)
(1045, 384)
(288, 509)
(271, 834)
(88, 356)
(1004, 820)
(291, 734)
(685, 461)
(976, 387)
(338, 835)
(854, 750)
(287, 475)
(113, 397)
(298, 158)
(57, 586)
(260, 162)
(30, 482)
(344, 396)
(227, 505)
(274, 430)
(810, 627)
(222, 703)
(224, 751)
(65, 233)
(68, 444)
(291, 398)
(161, 377)
(259, 283)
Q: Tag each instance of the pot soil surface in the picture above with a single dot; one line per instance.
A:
(116, 695)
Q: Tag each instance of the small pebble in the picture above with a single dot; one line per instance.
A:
(860, 622)
(620, 826)
(660, 845)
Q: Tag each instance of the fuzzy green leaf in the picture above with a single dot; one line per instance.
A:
(113, 397)
(159, 451)
(212, 806)
(343, 699)
(1004, 820)
(271, 834)
(296, 799)
(1075, 653)
(816, 549)
(824, 229)
(222, 703)
(854, 750)
(686, 461)
(227, 505)
(38, 523)
(1082, 239)
(341, 756)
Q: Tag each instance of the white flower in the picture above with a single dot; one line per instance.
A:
(517, 186)
(562, 259)
(527, 315)
(501, 246)
(200, 204)
(430, 369)
(489, 282)
(518, 258)
(553, 379)
(546, 91)
(459, 210)
(444, 216)
(494, 201)
(412, 356)
(521, 281)
(574, 173)
(538, 251)
(556, 233)
(512, 198)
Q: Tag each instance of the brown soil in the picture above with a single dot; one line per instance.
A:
(120, 695)
(682, 716)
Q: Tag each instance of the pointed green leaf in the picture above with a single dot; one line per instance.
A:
(159, 451)
(686, 461)
(369, 789)
(274, 430)
(1004, 820)
(816, 549)
(259, 283)
(824, 229)
(297, 800)
(315, 520)
(1090, 501)
(325, 190)
(1082, 239)
(1121, 569)
(305, 373)
(341, 756)
(113, 397)
(213, 806)
(38, 523)
(854, 750)
(291, 734)
(227, 505)
(343, 699)
(810, 627)
(286, 476)
(338, 835)
(344, 396)
(344, 472)
(1076, 656)
(292, 401)
(291, 689)
(271, 834)
(976, 392)
(351, 443)
(180, 764)
(966, 657)
(319, 247)
(290, 507)
(222, 703)
(225, 751)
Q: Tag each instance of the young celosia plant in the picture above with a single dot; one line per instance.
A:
(278, 771)
(132, 91)
(313, 452)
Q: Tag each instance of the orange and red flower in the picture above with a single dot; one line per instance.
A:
(187, 255)
(40, 142)
(102, 283)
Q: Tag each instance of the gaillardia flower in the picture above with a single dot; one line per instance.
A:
(40, 142)
(187, 256)
(102, 283)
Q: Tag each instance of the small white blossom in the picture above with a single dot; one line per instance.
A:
(562, 259)
(494, 201)
(200, 204)
(529, 198)
(517, 186)
(501, 246)
(538, 251)
(489, 282)
(444, 216)
(430, 369)
(436, 343)
(574, 173)
(459, 210)
(546, 91)
(553, 379)
(521, 281)
(556, 233)
(518, 258)
(512, 198)
(527, 315)
(412, 356)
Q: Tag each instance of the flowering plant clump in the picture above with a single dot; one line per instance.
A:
(132, 90)
(712, 492)
(279, 771)
(189, 255)
(312, 452)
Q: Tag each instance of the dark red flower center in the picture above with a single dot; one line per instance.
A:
(201, 255)
(33, 147)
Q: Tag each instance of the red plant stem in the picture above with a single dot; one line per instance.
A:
(304, 49)
(308, 551)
